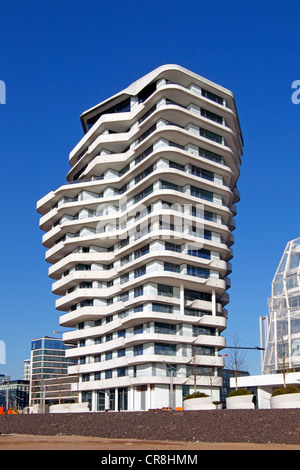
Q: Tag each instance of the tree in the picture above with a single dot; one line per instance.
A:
(236, 359)
(283, 347)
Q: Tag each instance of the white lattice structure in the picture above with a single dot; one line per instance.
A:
(283, 323)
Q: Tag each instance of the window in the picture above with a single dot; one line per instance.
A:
(292, 282)
(124, 296)
(143, 155)
(142, 251)
(139, 308)
(208, 175)
(138, 291)
(162, 308)
(172, 247)
(212, 96)
(203, 330)
(125, 260)
(143, 174)
(200, 253)
(124, 278)
(211, 136)
(212, 116)
(175, 165)
(165, 349)
(143, 194)
(164, 328)
(146, 133)
(202, 193)
(138, 350)
(195, 295)
(121, 352)
(175, 268)
(138, 329)
(87, 303)
(196, 313)
(210, 155)
(172, 186)
(200, 370)
(140, 271)
(198, 272)
(83, 267)
(164, 290)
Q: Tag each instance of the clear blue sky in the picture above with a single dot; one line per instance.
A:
(60, 58)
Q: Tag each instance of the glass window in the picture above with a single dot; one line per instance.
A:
(165, 349)
(198, 272)
(175, 268)
(212, 96)
(162, 308)
(140, 271)
(138, 329)
(212, 116)
(142, 251)
(211, 136)
(121, 372)
(195, 295)
(202, 253)
(138, 350)
(210, 155)
(138, 291)
(121, 352)
(164, 290)
(164, 328)
(172, 247)
(202, 193)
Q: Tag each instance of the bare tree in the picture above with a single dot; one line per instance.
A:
(283, 348)
(236, 359)
(195, 368)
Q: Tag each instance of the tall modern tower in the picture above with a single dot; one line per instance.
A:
(282, 328)
(139, 241)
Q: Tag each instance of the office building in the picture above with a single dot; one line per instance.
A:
(48, 360)
(27, 369)
(13, 393)
(140, 241)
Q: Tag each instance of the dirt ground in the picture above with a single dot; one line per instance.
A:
(28, 442)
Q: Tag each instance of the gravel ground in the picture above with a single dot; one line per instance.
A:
(252, 426)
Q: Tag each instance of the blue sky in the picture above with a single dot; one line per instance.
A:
(60, 58)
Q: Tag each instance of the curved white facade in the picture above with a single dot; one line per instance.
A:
(139, 240)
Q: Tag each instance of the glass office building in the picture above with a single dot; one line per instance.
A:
(48, 360)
